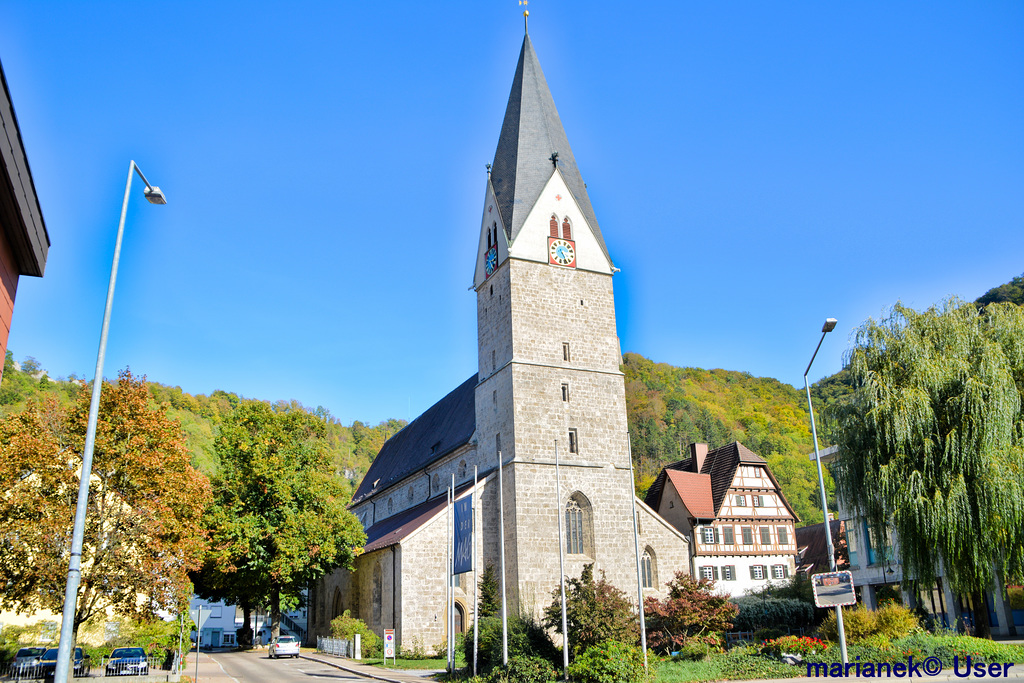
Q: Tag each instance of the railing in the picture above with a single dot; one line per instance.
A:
(26, 672)
(733, 637)
(334, 646)
(132, 668)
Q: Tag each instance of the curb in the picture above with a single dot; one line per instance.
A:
(351, 670)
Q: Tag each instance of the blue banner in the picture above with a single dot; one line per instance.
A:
(463, 535)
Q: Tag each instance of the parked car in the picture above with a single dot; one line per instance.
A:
(127, 661)
(48, 663)
(26, 662)
(284, 646)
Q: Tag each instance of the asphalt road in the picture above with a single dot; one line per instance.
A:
(256, 667)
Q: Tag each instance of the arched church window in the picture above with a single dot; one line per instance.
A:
(579, 526)
(566, 229)
(391, 506)
(647, 568)
(554, 226)
(378, 591)
(338, 607)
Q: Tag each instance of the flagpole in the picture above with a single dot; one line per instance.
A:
(636, 545)
(561, 567)
(451, 612)
(448, 582)
(501, 551)
(476, 582)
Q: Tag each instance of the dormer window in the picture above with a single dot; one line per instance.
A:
(566, 229)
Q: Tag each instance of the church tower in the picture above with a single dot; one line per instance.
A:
(549, 357)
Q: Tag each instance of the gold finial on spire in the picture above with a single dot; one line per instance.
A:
(526, 15)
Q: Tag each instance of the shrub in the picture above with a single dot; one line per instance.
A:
(346, 626)
(691, 610)
(525, 639)
(522, 670)
(757, 613)
(610, 662)
(764, 634)
(695, 651)
(595, 610)
(893, 621)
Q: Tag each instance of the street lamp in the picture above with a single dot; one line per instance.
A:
(154, 196)
(830, 324)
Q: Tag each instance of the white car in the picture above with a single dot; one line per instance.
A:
(284, 646)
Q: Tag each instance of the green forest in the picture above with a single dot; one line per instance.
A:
(668, 408)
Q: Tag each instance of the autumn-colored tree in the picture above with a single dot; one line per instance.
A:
(279, 519)
(595, 611)
(144, 526)
(691, 610)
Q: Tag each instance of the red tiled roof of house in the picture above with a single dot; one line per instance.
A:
(695, 490)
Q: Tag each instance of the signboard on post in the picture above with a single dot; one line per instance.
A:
(389, 643)
(833, 589)
(463, 535)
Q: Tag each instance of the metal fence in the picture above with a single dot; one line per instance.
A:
(153, 664)
(736, 637)
(334, 646)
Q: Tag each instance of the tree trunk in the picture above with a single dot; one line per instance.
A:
(275, 613)
(981, 618)
(245, 634)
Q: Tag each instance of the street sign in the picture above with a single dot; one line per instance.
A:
(389, 643)
(200, 616)
(833, 589)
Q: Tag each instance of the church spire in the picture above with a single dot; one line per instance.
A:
(532, 142)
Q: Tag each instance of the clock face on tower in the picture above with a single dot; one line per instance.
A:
(490, 261)
(561, 252)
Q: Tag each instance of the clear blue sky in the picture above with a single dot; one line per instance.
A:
(755, 168)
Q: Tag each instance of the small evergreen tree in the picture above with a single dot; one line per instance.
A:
(490, 593)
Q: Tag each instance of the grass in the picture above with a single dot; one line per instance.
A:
(435, 663)
(738, 664)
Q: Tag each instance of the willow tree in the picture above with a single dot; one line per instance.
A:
(931, 442)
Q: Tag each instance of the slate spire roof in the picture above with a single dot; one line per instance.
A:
(530, 133)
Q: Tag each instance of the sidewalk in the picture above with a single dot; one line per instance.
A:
(210, 671)
(375, 672)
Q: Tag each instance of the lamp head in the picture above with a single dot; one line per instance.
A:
(155, 195)
(830, 324)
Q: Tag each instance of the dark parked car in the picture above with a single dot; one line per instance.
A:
(127, 661)
(26, 662)
(48, 663)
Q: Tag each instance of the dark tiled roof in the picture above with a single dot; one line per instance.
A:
(721, 465)
(695, 490)
(395, 529)
(530, 133)
(445, 426)
(813, 551)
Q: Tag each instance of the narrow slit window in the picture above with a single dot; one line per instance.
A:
(565, 351)
(574, 446)
(565, 391)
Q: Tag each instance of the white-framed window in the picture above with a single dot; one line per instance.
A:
(710, 534)
(783, 535)
(780, 571)
(766, 535)
(709, 573)
(728, 536)
(729, 572)
(740, 501)
(216, 611)
(757, 501)
(757, 572)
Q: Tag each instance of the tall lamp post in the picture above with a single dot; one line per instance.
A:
(155, 196)
(830, 324)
